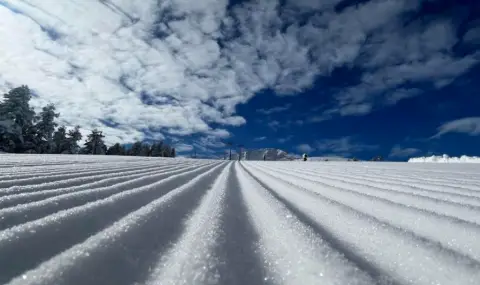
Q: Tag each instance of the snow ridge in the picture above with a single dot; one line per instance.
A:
(131, 220)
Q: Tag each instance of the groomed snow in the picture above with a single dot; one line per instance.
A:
(446, 159)
(129, 220)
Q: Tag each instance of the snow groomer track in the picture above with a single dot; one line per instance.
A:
(80, 220)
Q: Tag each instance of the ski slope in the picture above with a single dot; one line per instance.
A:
(127, 220)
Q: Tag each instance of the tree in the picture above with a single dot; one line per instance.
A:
(74, 136)
(116, 149)
(94, 143)
(45, 128)
(173, 153)
(145, 150)
(166, 151)
(240, 150)
(60, 142)
(9, 134)
(16, 119)
(229, 144)
(135, 149)
(156, 150)
(31, 141)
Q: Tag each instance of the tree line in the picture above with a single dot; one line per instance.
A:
(22, 130)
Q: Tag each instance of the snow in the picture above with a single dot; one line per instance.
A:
(134, 220)
(257, 154)
(446, 159)
(201, 232)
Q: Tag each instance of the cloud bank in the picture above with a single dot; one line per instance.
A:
(148, 69)
(273, 110)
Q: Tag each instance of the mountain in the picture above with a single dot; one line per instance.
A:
(257, 154)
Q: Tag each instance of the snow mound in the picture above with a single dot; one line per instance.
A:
(446, 159)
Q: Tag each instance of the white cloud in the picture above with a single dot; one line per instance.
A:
(95, 61)
(210, 142)
(304, 148)
(219, 133)
(206, 144)
(398, 151)
(401, 94)
(160, 65)
(397, 54)
(356, 109)
(274, 109)
(470, 126)
(258, 139)
(182, 147)
(344, 146)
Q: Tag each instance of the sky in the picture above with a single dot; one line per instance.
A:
(397, 78)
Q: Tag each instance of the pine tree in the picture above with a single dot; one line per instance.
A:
(173, 153)
(73, 137)
(32, 143)
(103, 149)
(145, 150)
(136, 149)
(116, 149)
(45, 128)
(166, 150)
(94, 143)
(122, 150)
(16, 119)
(157, 149)
(153, 148)
(60, 142)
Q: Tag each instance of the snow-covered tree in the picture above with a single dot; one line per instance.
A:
(94, 143)
(45, 128)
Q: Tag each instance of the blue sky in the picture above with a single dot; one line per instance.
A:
(397, 78)
(406, 127)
